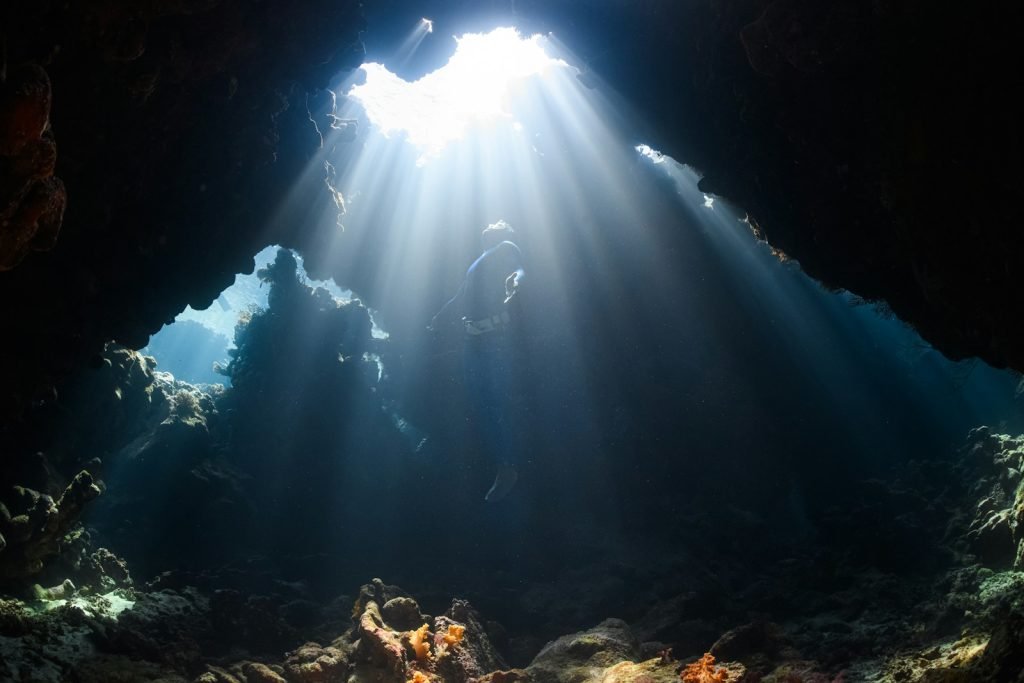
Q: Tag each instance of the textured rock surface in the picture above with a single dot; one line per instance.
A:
(196, 102)
(475, 655)
(32, 200)
(312, 663)
(582, 656)
(34, 525)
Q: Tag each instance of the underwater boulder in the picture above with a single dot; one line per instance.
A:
(581, 656)
(255, 672)
(379, 648)
(313, 663)
(403, 613)
(106, 571)
(456, 650)
(379, 592)
(216, 674)
(650, 671)
(476, 655)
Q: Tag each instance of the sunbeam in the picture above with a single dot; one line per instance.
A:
(629, 264)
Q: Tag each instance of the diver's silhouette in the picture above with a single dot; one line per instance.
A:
(483, 302)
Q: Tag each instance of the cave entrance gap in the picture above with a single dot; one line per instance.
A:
(196, 344)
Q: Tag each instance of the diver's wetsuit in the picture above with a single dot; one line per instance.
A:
(489, 357)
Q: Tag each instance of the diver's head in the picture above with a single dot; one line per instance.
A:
(495, 233)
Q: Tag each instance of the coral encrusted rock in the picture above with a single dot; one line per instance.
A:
(33, 525)
(581, 656)
(313, 663)
(996, 534)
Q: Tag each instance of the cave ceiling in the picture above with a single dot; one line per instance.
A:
(142, 145)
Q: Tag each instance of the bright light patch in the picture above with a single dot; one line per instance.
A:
(427, 24)
(654, 155)
(709, 202)
(472, 88)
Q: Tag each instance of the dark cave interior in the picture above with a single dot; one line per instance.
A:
(764, 442)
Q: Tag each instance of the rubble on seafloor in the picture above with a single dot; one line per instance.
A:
(171, 631)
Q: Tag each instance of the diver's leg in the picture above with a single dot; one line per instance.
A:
(501, 445)
(485, 371)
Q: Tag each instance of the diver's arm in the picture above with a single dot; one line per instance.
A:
(445, 311)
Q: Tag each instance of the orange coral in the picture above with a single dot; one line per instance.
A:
(455, 634)
(418, 639)
(419, 677)
(704, 671)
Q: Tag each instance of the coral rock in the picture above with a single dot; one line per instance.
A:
(650, 671)
(107, 571)
(403, 614)
(510, 676)
(260, 673)
(312, 663)
(581, 656)
(475, 653)
(217, 675)
(35, 533)
(379, 646)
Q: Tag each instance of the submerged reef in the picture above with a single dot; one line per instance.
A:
(232, 520)
(698, 520)
(197, 475)
(839, 606)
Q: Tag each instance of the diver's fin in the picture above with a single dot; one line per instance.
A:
(503, 482)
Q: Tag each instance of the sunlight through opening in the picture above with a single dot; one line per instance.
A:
(197, 341)
(473, 88)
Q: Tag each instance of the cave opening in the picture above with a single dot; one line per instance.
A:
(195, 347)
(473, 88)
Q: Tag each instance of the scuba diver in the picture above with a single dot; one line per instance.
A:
(488, 352)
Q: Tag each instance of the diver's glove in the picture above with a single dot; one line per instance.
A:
(511, 286)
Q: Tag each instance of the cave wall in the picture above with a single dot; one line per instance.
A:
(177, 128)
(873, 143)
